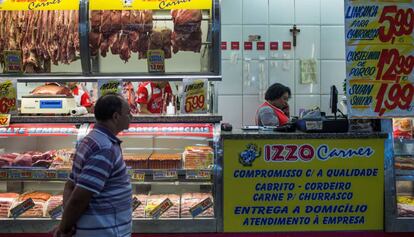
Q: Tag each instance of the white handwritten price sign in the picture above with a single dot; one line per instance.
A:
(13, 62)
(194, 98)
(156, 61)
(165, 175)
(380, 58)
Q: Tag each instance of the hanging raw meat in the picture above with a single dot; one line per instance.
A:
(42, 36)
(123, 32)
(187, 30)
(161, 39)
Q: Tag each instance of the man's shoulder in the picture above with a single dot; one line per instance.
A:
(96, 140)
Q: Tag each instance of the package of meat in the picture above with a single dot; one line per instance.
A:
(36, 196)
(139, 212)
(7, 200)
(154, 200)
(188, 200)
(52, 203)
(136, 161)
(35, 212)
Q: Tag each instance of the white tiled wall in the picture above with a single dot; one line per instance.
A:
(321, 37)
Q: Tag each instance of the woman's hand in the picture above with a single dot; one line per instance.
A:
(286, 110)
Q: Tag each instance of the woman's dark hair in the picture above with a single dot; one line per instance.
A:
(276, 91)
(107, 105)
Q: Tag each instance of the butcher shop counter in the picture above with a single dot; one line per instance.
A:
(277, 182)
(89, 118)
(167, 157)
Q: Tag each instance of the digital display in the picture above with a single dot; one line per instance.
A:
(50, 104)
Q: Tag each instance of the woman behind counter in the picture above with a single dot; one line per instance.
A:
(275, 111)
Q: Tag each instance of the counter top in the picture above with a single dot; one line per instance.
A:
(240, 134)
(195, 118)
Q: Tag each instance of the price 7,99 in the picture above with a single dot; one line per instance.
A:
(400, 22)
(194, 102)
(398, 95)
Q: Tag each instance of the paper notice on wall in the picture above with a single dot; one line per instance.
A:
(308, 71)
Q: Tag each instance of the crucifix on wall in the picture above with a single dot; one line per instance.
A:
(294, 31)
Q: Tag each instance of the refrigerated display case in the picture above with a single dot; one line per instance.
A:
(177, 161)
(399, 180)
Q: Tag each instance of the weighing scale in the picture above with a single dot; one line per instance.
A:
(47, 104)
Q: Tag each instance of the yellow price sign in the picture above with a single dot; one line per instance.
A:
(4, 120)
(33, 5)
(150, 4)
(138, 176)
(161, 208)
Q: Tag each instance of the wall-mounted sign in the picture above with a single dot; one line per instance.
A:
(379, 58)
(248, 45)
(260, 45)
(33, 5)
(287, 45)
(274, 45)
(150, 4)
(235, 45)
(223, 45)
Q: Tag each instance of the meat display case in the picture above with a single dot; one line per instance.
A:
(166, 157)
(399, 179)
(101, 39)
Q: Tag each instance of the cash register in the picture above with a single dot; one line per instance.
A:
(317, 121)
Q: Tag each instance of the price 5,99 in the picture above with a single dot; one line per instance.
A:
(194, 102)
(397, 95)
(398, 21)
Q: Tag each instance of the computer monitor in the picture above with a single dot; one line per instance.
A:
(333, 103)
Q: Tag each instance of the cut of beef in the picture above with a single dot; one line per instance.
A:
(51, 89)
(187, 30)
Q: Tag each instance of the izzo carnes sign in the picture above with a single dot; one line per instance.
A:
(306, 152)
